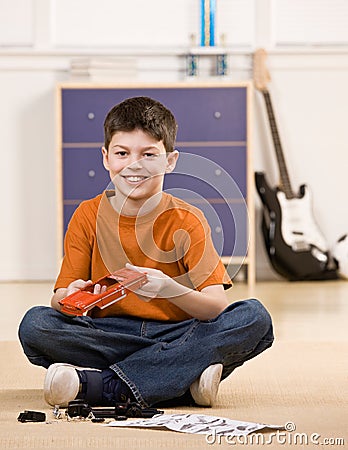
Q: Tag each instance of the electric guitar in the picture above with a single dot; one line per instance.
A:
(295, 246)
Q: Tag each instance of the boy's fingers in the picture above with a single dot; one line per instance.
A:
(131, 267)
(96, 289)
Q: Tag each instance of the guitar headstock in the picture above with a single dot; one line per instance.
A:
(260, 72)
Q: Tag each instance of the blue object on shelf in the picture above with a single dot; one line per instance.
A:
(208, 13)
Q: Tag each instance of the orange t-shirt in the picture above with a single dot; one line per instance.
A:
(174, 238)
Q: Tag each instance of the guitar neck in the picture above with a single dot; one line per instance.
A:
(283, 171)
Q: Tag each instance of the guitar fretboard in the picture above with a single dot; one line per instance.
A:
(285, 184)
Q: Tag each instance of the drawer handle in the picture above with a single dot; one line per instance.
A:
(217, 114)
(91, 173)
(91, 115)
(218, 172)
(218, 230)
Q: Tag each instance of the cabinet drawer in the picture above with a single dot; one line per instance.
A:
(210, 114)
(211, 171)
(68, 211)
(228, 223)
(84, 174)
(229, 226)
(234, 221)
(203, 114)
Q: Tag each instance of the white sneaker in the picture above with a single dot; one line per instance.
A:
(204, 390)
(62, 384)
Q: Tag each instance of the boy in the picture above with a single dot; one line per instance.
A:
(176, 337)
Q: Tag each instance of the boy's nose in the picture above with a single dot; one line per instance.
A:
(136, 163)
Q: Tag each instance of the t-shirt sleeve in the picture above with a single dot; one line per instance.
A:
(202, 262)
(76, 262)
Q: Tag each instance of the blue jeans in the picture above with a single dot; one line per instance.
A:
(157, 360)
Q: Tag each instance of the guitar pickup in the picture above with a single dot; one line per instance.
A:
(118, 284)
(300, 246)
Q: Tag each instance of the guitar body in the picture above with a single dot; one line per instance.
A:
(298, 226)
(295, 247)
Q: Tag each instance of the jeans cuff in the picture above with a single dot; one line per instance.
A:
(130, 384)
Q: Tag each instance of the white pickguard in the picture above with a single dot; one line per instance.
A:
(298, 226)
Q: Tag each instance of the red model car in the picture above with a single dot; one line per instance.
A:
(118, 284)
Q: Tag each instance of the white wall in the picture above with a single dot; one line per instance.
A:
(37, 45)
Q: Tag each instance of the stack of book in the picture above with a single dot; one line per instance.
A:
(103, 68)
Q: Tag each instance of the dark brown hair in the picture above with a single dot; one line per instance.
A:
(145, 114)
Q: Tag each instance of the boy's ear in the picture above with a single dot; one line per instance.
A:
(105, 158)
(172, 158)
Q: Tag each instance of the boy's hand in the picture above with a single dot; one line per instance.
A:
(77, 285)
(74, 286)
(81, 284)
(158, 285)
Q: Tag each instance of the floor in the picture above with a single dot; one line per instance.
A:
(313, 311)
(302, 379)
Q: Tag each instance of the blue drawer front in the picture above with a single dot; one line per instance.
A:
(228, 223)
(203, 114)
(211, 171)
(84, 174)
(68, 211)
(230, 230)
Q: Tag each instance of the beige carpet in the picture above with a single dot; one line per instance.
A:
(305, 383)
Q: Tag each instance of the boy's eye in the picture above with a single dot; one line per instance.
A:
(150, 155)
(121, 153)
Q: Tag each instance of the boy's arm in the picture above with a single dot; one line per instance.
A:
(203, 305)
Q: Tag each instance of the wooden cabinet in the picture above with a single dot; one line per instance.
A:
(214, 170)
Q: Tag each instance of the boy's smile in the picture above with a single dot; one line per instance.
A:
(136, 163)
(133, 179)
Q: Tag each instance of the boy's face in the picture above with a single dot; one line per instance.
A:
(137, 163)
